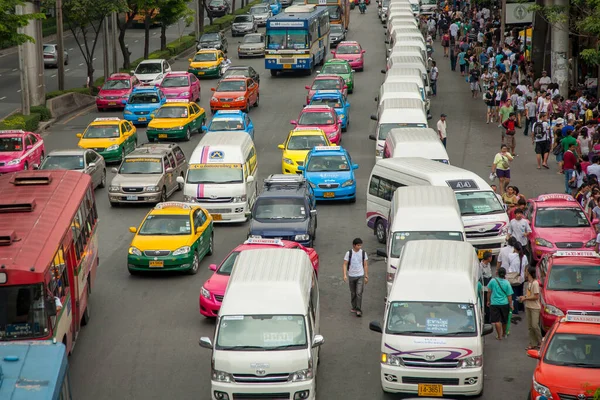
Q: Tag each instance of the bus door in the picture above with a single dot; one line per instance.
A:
(73, 307)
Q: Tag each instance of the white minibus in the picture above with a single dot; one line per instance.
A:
(415, 142)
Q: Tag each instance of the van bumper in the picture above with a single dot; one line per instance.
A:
(492, 244)
(279, 391)
(227, 213)
(454, 382)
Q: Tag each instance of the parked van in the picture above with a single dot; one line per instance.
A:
(394, 61)
(401, 29)
(397, 113)
(484, 218)
(409, 49)
(221, 176)
(420, 213)
(267, 335)
(432, 339)
(415, 6)
(415, 142)
(398, 36)
(408, 75)
(397, 88)
(401, 18)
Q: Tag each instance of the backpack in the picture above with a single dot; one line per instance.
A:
(350, 252)
(538, 130)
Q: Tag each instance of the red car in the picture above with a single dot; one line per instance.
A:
(558, 223)
(569, 359)
(20, 150)
(213, 290)
(351, 52)
(117, 88)
(568, 281)
(181, 85)
(322, 117)
(326, 82)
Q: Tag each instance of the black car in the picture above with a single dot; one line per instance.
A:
(218, 8)
(337, 34)
(242, 71)
(213, 41)
(285, 210)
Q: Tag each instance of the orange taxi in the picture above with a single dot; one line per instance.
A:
(569, 359)
(235, 93)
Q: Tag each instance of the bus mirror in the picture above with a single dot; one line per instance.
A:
(372, 137)
(51, 307)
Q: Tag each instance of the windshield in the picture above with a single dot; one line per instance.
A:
(227, 264)
(73, 162)
(259, 10)
(166, 225)
(101, 131)
(574, 278)
(431, 319)
(349, 49)
(149, 68)
(335, 28)
(201, 57)
(414, 7)
(575, 349)
(336, 69)
(22, 313)
(11, 144)
(560, 218)
(253, 39)
(287, 39)
(49, 48)
(232, 86)
(215, 173)
(175, 81)
(327, 164)
(384, 129)
(334, 12)
(141, 166)
(331, 102)
(306, 142)
(401, 238)
(316, 118)
(271, 209)
(171, 112)
(237, 72)
(116, 84)
(210, 37)
(143, 98)
(226, 125)
(478, 203)
(243, 18)
(261, 332)
(326, 84)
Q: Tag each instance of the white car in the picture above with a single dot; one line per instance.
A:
(151, 72)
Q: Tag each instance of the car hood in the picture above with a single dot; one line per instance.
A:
(94, 143)
(347, 57)
(325, 128)
(159, 242)
(146, 77)
(115, 92)
(142, 107)
(567, 300)
(203, 64)
(210, 44)
(252, 46)
(329, 177)
(10, 155)
(227, 95)
(167, 122)
(243, 24)
(279, 228)
(136, 180)
(216, 284)
(555, 374)
(296, 155)
(273, 362)
(566, 234)
(176, 90)
(261, 16)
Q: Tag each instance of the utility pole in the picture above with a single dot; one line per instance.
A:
(560, 50)
(105, 48)
(115, 34)
(502, 24)
(60, 45)
(197, 24)
(25, 105)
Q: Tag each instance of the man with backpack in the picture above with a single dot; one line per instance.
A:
(542, 139)
(356, 272)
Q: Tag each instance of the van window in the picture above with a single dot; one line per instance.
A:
(431, 319)
(261, 332)
(384, 129)
(179, 156)
(383, 188)
(399, 239)
(478, 203)
(251, 160)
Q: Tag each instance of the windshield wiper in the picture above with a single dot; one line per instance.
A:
(454, 334)
(286, 346)
(241, 347)
(413, 333)
(234, 181)
(582, 365)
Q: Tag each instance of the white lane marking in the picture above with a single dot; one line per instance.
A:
(53, 76)
(136, 41)
(15, 69)
(67, 70)
(19, 91)
(93, 59)
(71, 49)
(80, 64)
(2, 98)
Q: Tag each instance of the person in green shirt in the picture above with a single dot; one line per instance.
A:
(500, 302)
(504, 114)
(569, 140)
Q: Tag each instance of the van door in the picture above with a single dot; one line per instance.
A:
(314, 316)
(251, 187)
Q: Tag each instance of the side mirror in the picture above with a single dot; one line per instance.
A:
(364, 51)
(318, 340)
(132, 72)
(354, 166)
(383, 71)
(79, 135)
(487, 329)
(387, 42)
(281, 146)
(595, 221)
(374, 117)
(340, 123)
(250, 178)
(189, 59)
(294, 122)
(385, 27)
(533, 353)
(114, 170)
(300, 167)
(313, 212)
(36, 166)
(92, 164)
(180, 180)
(212, 267)
(333, 52)
(429, 116)
(318, 72)
(375, 326)
(204, 128)
(372, 137)
(307, 87)
(132, 229)
(353, 70)
(206, 343)
(51, 307)
(212, 89)
(124, 101)
(381, 253)
(28, 147)
(169, 170)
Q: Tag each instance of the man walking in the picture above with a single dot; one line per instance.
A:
(441, 128)
(356, 272)
(542, 139)
(433, 77)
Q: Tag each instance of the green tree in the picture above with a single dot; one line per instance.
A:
(170, 13)
(10, 22)
(148, 8)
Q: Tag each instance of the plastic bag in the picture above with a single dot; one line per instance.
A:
(493, 176)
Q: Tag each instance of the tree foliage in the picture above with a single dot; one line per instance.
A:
(171, 11)
(10, 22)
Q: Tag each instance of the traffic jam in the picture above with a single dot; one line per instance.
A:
(431, 217)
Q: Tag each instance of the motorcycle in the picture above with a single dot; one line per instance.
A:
(362, 7)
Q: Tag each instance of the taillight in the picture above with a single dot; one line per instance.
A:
(390, 277)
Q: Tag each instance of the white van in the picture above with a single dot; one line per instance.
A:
(408, 89)
(432, 334)
(396, 37)
(221, 176)
(420, 213)
(415, 6)
(404, 49)
(395, 61)
(397, 113)
(267, 335)
(400, 18)
(415, 142)
(401, 29)
(484, 218)
(408, 75)
(428, 7)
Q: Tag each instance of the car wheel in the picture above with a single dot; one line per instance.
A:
(350, 91)
(25, 166)
(133, 272)
(353, 200)
(113, 204)
(195, 264)
(380, 231)
(257, 100)
(122, 154)
(188, 134)
(103, 179)
(211, 245)
(273, 72)
(180, 185)
(345, 128)
(85, 318)
(67, 60)
(163, 195)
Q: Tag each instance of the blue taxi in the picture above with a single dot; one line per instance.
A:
(330, 172)
(335, 99)
(231, 121)
(142, 102)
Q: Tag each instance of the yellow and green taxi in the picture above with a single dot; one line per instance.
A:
(113, 138)
(297, 145)
(173, 236)
(206, 63)
(176, 119)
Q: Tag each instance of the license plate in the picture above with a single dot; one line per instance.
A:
(287, 66)
(157, 264)
(132, 197)
(226, 105)
(162, 136)
(200, 73)
(217, 217)
(142, 119)
(112, 103)
(329, 194)
(480, 253)
(430, 390)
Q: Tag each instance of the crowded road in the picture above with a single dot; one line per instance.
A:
(142, 340)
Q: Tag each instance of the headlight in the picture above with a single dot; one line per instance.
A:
(184, 94)
(302, 375)
(471, 362)
(301, 237)
(179, 127)
(254, 237)
(100, 97)
(239, 199)
(288, 161)
(543, 390)
(189, 198)
(159, 77)
(135, 251)
(390, 359)
(312, 185)
(332, 135)
(543, 242)
(241, 98)
(125, 96)
(378, 153)
(113, 147)
(220, 376)
(205, 293)
(390, 277)
(113, 189)
(349, 182)
(213, 99)
(552, 310)
(181, 250)
(152, 189)
(591, 243)
(127, 112)
(14, 162)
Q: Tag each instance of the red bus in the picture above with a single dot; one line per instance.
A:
(48, 254)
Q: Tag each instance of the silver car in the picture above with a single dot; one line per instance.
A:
(148, 174)
(243, 24)
(51, 55)
(83, 160)
(261, 14)
(253, 44)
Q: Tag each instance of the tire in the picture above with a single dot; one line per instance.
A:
(353, 200)
(163, 195)
(380, 231)
(25, 166)
(345, 129)
(188, 134)
(133, 272)
(273, 72)
(113, 204)
(211, 245)
(180, 185)
(103, 179)
(195, 264)
(85, 318)
(199, 130)
(350, 91)
(257, 100)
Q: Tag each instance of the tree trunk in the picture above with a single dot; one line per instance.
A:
(90, 74)
(232, 6)
(210, 16)
(147, 34)
(201, 16)
(163, 37)
(122, 29)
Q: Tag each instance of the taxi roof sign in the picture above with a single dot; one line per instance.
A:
(175, 204)
(324, 148)
(13, 131)
(178, 100)
(276, 242)
(236, 76)
(555, 196)
(592, 317)
(107, 119)
(576, 254)
(236, 112)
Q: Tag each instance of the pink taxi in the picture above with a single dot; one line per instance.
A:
(558, 223)
(117, 88)
(181, 85)
(322, 117)
(326, 82)
(20, 150)
(351, 52)
(213, 290)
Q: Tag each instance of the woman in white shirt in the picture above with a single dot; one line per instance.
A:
(515, 273)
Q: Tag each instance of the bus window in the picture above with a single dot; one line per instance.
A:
(276, 40)
(297, 39)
